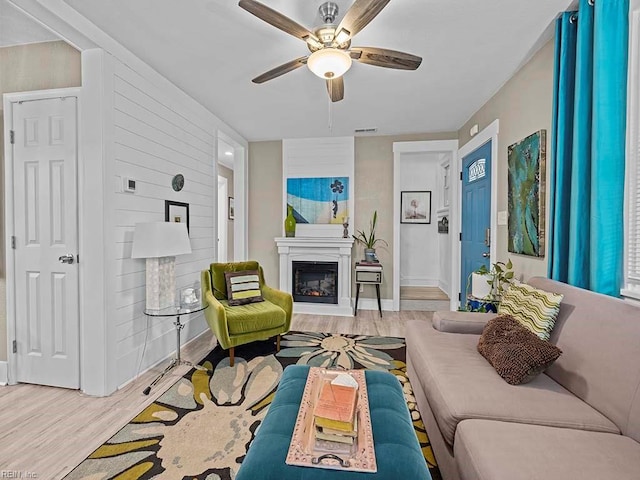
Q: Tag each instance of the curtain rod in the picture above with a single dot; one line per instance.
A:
(573, 18)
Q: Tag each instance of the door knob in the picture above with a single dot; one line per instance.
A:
(69, 258)
(485, 255)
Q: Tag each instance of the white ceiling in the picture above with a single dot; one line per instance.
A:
(212, 49)
(17, 29)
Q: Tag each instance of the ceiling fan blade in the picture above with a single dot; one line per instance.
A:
(276, 19)
(281, 70)
(381, 57)
(360, 14)
(335, 87)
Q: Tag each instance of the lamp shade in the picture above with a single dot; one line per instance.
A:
(160, 239)
(329, 63)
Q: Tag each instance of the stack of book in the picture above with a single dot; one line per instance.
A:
(335, 413)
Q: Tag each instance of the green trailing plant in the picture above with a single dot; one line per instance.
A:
(369, 240)
(499, 277)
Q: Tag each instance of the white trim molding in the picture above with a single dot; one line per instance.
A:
(372, 304)
(400, 149)
(4, 373)
(631, 284)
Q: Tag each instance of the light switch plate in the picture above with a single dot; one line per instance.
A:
(502, 217)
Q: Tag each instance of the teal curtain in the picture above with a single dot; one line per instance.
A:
(588, 146)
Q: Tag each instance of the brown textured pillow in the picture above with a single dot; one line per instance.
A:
(517, 354)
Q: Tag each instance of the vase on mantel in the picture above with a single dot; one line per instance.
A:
(290, 223)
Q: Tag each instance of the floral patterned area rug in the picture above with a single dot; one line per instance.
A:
(201, 427)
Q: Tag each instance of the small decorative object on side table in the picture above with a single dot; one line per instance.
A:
(369, 273)
(174, 311)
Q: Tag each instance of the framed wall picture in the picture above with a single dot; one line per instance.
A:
(231, 209)
(176, 212)
(415, 207)
(526, 194)
(319, 200)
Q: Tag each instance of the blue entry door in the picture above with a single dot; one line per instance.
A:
(476, 213)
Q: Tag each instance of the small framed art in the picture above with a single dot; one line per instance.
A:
(415, 207)
(231, 209)
(176, 212)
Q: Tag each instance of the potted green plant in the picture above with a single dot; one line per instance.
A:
(369, 240)
(488, 286)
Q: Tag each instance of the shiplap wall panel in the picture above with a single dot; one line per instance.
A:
(193, 126)
(163, 153)
(155, 139)
(319, 157)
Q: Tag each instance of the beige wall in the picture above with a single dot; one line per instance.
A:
(523, 106)
(265, 206)
(373, 191)
(228, 174)
(38, 66)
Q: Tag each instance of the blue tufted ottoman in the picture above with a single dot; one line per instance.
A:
(398, 452)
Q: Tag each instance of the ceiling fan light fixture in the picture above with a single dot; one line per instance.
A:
(329, 63)
(342, 36)
(313, 42)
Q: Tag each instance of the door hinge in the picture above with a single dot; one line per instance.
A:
(460, 239)
(12, 137)
(15, 346)
(460, 176)
(459, 296)
(13, 242)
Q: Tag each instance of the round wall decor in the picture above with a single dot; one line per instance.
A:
(177, 182)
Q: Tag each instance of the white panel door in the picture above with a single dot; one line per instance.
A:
(46, 228)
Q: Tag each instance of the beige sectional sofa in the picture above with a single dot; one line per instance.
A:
(578, 420)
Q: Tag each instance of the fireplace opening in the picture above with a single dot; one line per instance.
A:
(315, 282)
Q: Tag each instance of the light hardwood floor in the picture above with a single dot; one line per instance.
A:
(46, 432)
(422, 293)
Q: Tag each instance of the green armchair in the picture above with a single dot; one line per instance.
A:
(241, 324)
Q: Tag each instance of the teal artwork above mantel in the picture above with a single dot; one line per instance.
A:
(322, 200)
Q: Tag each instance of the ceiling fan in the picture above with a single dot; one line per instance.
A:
(330, 44)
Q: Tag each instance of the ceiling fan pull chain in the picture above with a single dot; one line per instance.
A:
(330, 106)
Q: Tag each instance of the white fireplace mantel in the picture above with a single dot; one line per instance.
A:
(311, 249)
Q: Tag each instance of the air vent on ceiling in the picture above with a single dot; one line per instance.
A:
(366, 130)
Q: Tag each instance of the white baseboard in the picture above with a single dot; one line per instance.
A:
(372, 304)
(323, 309)
(444, 287)
(4, 373)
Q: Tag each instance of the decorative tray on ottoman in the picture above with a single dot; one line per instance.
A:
(308, 451)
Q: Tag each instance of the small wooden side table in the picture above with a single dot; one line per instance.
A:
(368, 273)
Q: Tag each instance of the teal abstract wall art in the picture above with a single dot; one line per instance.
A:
(526, 194)
(319, 200)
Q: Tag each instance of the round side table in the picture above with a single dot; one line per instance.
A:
(174, 311)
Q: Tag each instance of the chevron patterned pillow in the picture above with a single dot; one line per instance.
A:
(535, 309)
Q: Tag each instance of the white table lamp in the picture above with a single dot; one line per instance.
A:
(159, 243)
